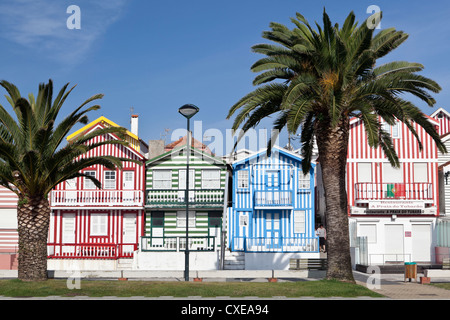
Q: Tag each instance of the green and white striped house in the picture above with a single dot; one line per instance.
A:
(165, 218)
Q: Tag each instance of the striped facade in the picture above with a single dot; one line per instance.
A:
(165, 218)
(443, 117)
(392, 212)
(91, 223)
(444, 178)
(273, 204)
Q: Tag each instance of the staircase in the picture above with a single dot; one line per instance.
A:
(234, 260)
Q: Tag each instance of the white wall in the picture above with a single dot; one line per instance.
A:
(375, 228)
(174, 261)
(274, 260)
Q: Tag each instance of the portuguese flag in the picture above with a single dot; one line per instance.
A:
(396, 190)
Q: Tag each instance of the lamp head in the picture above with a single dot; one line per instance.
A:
(188, 110)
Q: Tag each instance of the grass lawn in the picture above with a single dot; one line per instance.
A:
(99, 288)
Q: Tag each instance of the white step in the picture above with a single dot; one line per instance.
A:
(234, 261)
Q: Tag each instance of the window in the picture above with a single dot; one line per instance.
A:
(182, 180)
(110, 180)
(99, 224)
(394, 130)
(181, 219)
(210, 179)
(71, 184)
(391, 174)
(420, 172)
(157, 219)
(88, 184)
(304, 181)
(364, 172)
(299, 221)
(162, 179)
(272, 178)
(242, 180)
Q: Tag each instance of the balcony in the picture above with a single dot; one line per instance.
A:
(365, 192)
(273, 198)
(176, 198)
(96, 198)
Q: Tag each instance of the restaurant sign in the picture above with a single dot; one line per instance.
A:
(397, 205)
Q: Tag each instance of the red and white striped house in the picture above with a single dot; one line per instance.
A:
(394, 209)
(392, 212)
(443, 224)
(91, 224)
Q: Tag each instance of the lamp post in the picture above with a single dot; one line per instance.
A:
(188, 111)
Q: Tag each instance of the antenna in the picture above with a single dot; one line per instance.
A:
(163, 136)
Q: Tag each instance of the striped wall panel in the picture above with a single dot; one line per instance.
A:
(9, 240)
(116, 151)
(173, 229)
(8, 199)
(177, 162)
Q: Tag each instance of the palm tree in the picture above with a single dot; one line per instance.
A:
(33, 162)
(313, 81)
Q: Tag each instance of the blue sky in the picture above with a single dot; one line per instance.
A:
(155, 56)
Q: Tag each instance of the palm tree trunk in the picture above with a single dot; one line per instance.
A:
(333, 146)
(33, 216)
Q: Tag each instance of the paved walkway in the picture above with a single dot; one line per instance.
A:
(393, 286)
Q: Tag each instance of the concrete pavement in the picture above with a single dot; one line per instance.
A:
(393, 286)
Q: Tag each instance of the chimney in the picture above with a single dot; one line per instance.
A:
(155, 148)
(134, 124)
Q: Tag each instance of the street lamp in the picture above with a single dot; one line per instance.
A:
(188, 111)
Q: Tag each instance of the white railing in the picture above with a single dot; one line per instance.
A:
(273, 198)
(282, 244)
(96, 198)
(177, 197)
(177, 244)
(90, 250)
(396, 191)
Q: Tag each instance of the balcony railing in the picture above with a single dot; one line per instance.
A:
(90, 250)
(281, 244)
(96, 198)
(177, 197)
(392, 191)
(272, 198)
(176, 244)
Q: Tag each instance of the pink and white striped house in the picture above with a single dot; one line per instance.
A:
(9, 237)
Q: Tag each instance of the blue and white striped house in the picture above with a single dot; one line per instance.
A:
(272, 213)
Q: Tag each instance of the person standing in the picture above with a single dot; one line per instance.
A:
(322, 237)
